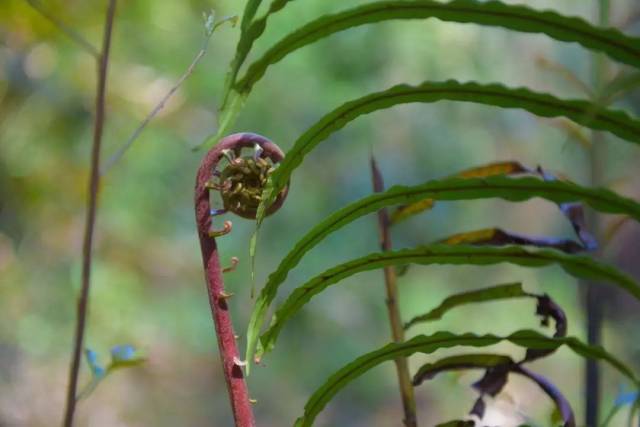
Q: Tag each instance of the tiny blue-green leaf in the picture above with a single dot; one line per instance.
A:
(124, 356)
(92, 359)
(122, 353)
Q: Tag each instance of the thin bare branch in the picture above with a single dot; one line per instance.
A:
(154, 112)
(64, 28)
(92, 203)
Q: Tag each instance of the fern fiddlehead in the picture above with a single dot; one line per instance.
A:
(240, 185)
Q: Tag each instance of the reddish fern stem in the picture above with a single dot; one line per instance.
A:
(233, 373)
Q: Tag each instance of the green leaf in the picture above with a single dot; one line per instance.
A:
(610, 41)
(578, 266)
(251, 31)
(507, 291)
(545, 105)
(462, 361)
(512, 189)
(250, 10)
(616, 122)
(232, 102)
(492, 169)
(430, 344)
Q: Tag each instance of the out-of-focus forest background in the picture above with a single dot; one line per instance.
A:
(148, 287)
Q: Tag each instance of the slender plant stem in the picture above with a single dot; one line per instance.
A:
(395, 320)
(595, 295)
(64, 28)
(123, 149)
(87, 247)
(154, 112)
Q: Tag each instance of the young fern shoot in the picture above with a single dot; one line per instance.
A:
(239, 183)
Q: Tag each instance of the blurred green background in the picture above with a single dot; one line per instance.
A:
(148, 288)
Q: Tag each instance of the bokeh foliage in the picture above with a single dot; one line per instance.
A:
(148, 287)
